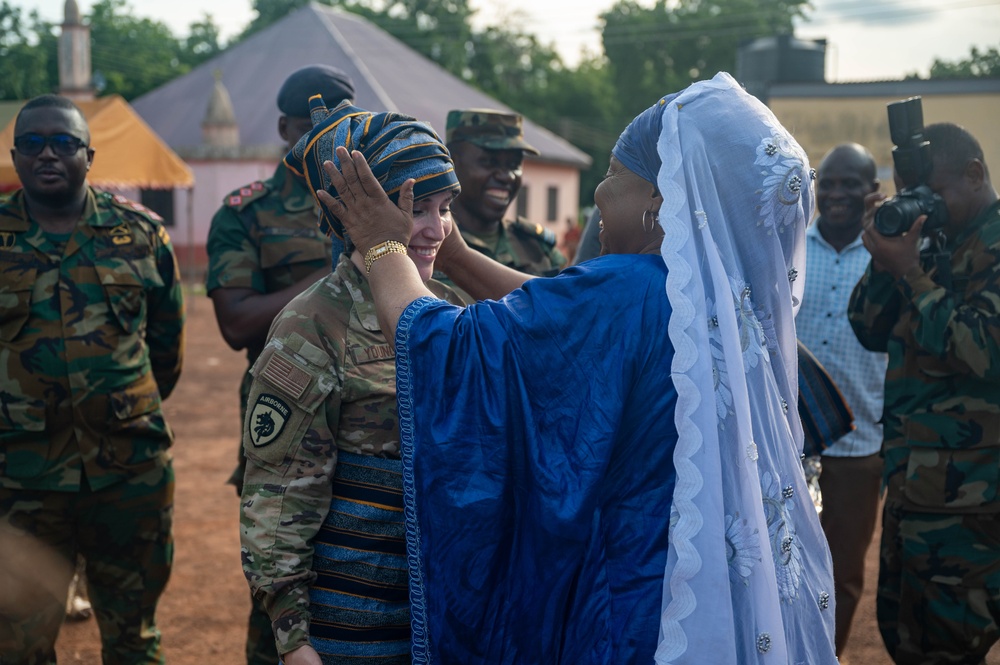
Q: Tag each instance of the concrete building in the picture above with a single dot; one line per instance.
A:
(822, 115)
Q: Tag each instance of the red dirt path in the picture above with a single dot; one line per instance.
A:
(203, 613)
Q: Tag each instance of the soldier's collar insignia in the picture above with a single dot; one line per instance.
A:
(268, 418)
(6, 239)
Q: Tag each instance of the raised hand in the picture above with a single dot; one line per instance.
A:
(894, 254)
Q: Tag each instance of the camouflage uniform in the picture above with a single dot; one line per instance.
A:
(324, 385)
(91, 329)
(939, 582)
(527, 247)
(264, 238)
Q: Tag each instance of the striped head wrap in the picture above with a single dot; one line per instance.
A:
(396, 146)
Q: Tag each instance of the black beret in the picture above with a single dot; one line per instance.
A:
(332, 83)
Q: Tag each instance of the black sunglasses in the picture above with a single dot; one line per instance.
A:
(32, 145)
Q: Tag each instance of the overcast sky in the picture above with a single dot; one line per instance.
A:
(866, 39)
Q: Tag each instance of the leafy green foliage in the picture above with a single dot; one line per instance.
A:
(29, 49)
(979, 64)
(271, 11)
(439, 29)
(154, 54)
(663, 48)
(579, 104)
(28, 65)
(202, 43)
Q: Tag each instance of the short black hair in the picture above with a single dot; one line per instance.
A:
(863, 157)
(48, 102)
(953, 147)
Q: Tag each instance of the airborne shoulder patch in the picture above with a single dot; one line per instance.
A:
(267, 420)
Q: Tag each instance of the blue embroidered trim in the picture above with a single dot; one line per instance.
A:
(404, 405)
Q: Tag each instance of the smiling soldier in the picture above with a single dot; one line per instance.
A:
(488, 148)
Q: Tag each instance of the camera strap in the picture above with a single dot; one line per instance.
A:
(942, 261)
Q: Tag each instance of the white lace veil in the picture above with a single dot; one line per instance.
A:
(748, 573)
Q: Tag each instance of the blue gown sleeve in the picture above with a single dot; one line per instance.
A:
(537, 434)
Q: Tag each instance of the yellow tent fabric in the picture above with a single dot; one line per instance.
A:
(127, 152)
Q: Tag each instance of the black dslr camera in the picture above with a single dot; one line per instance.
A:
(912, 159)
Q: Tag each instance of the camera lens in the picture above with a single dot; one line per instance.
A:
(896, 216)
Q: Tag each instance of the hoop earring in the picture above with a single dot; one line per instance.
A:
(654, 220)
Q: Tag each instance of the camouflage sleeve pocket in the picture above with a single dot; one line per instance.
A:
(960, 479)
(283, 398)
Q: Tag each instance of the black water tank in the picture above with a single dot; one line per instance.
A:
(779, 59)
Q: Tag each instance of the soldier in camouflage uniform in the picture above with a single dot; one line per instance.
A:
(91, 328)
(264, 248)
(937, 313)
(322, 531)
(488, 148)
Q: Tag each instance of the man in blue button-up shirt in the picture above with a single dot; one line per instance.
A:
(852, 467)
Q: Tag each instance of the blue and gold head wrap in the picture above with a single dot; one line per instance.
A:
(396, 146)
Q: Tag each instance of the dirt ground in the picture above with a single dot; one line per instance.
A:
(203, 613)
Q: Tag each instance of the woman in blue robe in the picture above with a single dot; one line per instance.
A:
(602, 467)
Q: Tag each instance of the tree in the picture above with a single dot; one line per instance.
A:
(979, 64)
(153, 52)
(270, 12)
(202, 42)
(438, 29)
(28, 47)
(652, 51)
(506, 62)
(582, 107)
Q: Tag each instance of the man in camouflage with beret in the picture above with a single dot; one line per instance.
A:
(264, 248)
(935, 308)
(91, 326)
(488, 148)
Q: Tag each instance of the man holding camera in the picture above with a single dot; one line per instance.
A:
(931, 298)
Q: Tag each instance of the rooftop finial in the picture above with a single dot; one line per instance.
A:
(71, 13)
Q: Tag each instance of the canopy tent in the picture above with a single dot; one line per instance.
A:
(128, 153)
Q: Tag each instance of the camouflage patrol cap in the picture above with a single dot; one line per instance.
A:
(487, 128)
